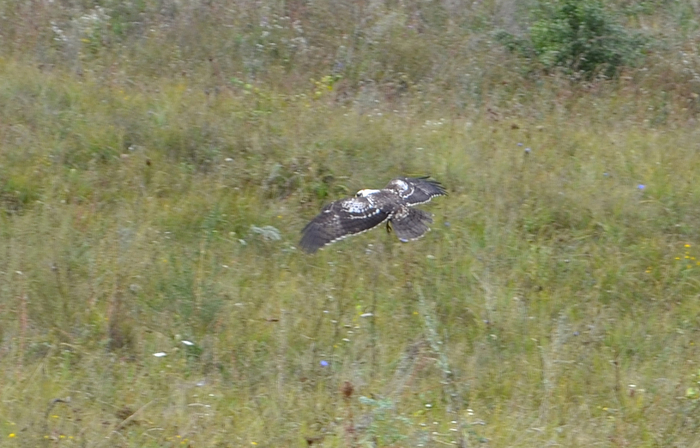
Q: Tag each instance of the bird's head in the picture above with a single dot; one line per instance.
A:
(366, 192)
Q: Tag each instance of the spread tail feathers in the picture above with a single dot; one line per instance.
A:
(411, 224)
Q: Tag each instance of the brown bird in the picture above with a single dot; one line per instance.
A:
(368, 209)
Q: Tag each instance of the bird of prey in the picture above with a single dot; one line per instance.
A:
(368, 209)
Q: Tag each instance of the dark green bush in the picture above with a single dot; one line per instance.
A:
(581, 36)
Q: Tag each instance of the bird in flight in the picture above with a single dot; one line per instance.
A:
(368, 209)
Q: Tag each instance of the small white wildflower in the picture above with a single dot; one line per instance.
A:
(160, 354)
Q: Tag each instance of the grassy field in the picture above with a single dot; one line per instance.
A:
(157, 163)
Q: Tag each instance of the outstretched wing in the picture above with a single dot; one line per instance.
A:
(341, 219)
(416, 190)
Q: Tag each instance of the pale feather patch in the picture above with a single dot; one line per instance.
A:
(403, 185)
(413, 204)
(367, 215)
(359, 209)
(406, 240)
(407, 192)
(356, 207)
(366, 193)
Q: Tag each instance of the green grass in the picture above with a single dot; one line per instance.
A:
(554, 302)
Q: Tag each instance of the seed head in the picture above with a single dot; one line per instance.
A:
(347, 390)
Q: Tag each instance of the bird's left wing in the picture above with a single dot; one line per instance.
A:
(342, 219)
(416, 190)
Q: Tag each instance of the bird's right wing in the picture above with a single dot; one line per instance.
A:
(416, 190)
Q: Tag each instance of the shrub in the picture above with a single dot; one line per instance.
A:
(581, 36)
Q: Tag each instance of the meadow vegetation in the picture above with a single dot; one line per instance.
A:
(159, 159)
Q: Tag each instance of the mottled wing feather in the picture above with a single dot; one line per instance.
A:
(416, 190)
(339, 220)
(410, 223)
